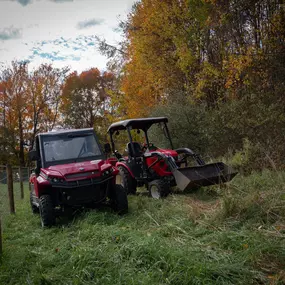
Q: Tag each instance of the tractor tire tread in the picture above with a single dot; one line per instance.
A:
(163, 188)
(129, 183)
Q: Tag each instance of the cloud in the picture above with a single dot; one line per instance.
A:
(61, 1)
(26, 2)
(62, 49)
(23, 2)
(89, 23)
(10, 33)
(53, 55)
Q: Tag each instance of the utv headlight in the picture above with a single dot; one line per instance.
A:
(107, 172)
(55, 180)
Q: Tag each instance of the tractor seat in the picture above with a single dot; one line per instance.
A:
(137, 147)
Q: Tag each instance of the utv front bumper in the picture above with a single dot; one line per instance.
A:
(80, 192)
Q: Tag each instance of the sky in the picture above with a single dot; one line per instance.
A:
(61, 32)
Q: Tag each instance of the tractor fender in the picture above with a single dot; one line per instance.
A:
(125, 166)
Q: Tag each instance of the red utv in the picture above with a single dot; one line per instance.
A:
(71, 171)
(159, 169)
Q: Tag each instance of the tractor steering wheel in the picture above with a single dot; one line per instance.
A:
(144, 147)
(150, 146)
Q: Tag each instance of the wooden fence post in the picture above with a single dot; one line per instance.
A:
(21, 182)
(1, 248)
(10, 188)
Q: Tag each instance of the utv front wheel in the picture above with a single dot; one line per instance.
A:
(119, 199)
(35, 209)
(128, 181)
(158, 189)
(46, 211)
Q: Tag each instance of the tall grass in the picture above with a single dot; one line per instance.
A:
(194, 238)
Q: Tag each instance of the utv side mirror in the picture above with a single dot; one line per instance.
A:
(33, 155)
(107, 148)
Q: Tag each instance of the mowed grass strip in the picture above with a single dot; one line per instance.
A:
(194, 238)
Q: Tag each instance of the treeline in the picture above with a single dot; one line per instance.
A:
(40, 100)
(215, 68)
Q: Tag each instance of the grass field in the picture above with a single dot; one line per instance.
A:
(4, 198)
(230, 235)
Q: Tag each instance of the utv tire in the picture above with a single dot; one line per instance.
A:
(158, 189)
(128, 182)
(46, 211)
(119, 199)
(35, 209)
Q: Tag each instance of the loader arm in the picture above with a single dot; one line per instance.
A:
(200, 175)
(169, 160)
(188, 152)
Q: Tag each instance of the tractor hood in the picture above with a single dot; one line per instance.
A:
(170, 152)
(78, 169)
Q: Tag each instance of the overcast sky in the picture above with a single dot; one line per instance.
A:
(59, 31)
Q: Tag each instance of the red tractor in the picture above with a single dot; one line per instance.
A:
(159, 169)
(71, 171)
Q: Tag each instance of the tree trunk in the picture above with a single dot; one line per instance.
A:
(21, 152)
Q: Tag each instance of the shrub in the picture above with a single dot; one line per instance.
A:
(250, 131)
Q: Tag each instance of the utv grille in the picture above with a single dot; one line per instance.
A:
(81, 174)
(79, 183)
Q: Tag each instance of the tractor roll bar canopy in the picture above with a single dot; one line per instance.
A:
(141, 123)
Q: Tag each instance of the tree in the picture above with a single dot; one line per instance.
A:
(14, 80)
(86, 100)
(29, 104)
(44, 88)
(211, 50)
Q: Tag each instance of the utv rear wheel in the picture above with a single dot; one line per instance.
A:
(35, 209)
(119, 199)
(129, 183)
(158, 189)
(46, 211)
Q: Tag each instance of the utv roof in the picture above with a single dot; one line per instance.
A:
(140, 123)
(65, 131)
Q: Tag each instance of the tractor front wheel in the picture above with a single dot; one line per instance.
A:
(119, 199)
(129, 183)
(158, 189)
(46, 211)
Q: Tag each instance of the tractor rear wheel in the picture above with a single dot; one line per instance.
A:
(46, 211)
(119, 199)
(158, 189)
(128, 182)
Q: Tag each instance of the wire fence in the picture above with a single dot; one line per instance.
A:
(14, 182)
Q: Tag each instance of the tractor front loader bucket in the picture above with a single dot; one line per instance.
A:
(203, 175)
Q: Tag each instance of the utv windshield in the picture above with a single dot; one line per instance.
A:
(67, 148)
